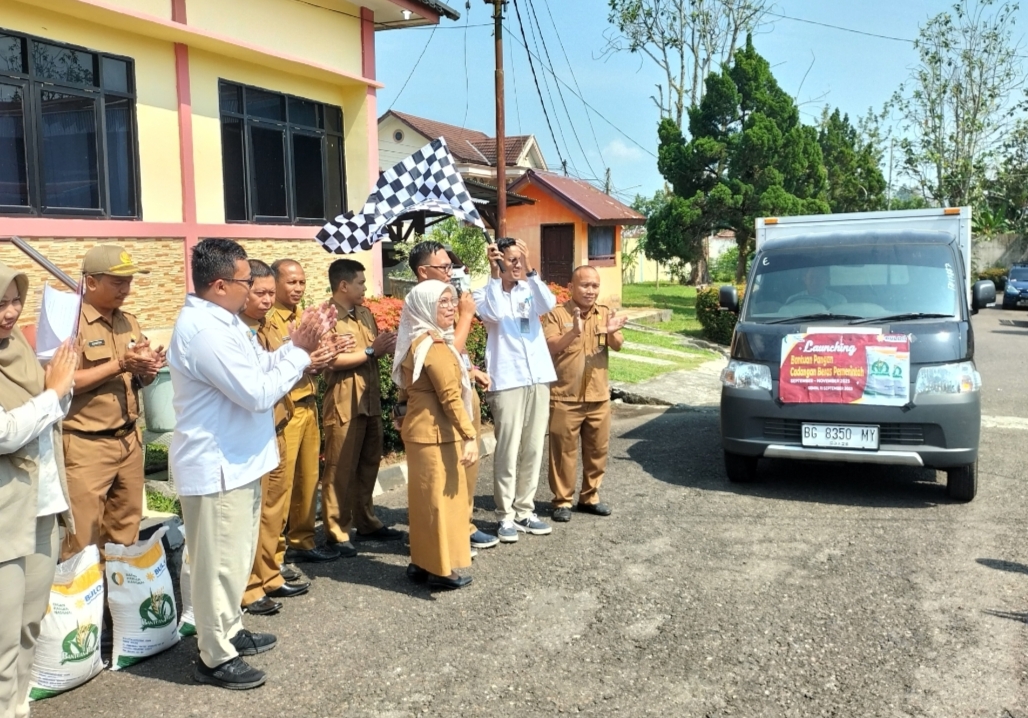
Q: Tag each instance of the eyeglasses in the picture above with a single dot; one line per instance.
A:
(447, 302)
(443, 267)
(248, 281)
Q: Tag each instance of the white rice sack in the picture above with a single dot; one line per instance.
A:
(68, 648)
(142, 601)
(186, 624)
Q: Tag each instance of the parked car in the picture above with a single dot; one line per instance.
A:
(1016, 293)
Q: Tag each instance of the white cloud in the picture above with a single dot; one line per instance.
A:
(618, 150)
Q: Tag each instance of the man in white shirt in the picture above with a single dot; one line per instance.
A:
(520, 369)
(225, 389)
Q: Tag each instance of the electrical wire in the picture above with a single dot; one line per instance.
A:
(598, 113)
(535, 79)
(413, 69)
(571, 122)
(514, 78)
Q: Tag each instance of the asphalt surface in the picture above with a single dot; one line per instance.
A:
(822, 590)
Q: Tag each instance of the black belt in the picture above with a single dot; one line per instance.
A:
(308, 398)
(116, 433)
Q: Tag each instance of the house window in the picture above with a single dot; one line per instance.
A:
(601, 246)
(67, 130)
(282, 157)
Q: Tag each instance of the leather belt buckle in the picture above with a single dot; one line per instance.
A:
(124, 431)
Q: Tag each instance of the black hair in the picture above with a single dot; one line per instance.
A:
(214, 259)
(259, 270)
(277, 265)
(420, 253)
(505, 243)
(343, 270)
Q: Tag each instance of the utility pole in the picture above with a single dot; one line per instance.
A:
(607, 186)
(501, 153)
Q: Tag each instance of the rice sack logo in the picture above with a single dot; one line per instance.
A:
(158, 610)
(880, 368)
(80, 644)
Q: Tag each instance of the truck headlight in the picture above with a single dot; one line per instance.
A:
(1011, 289)
(744, 375)
(948, 379)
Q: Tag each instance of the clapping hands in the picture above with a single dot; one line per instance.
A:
(312, 326)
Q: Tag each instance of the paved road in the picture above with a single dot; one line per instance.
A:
(819, 591)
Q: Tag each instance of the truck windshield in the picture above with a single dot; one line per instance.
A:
(1019, 274)
(859, 281)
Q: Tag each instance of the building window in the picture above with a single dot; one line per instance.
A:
(398, 135)
(601, 246)
(282, 157)
(67, 130)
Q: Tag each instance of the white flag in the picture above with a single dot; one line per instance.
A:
(58, 320)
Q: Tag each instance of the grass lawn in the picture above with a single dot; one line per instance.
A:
(636, 342)
(157, 501)
(677, 297)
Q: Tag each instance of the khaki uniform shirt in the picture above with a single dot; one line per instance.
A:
(277, 324)
(271, 342)
(435, 411)
(354, 392)
(115, 402)
(582, 367)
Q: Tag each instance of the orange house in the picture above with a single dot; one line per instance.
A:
(571, 223)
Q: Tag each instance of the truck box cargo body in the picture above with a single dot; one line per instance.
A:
(854, 343)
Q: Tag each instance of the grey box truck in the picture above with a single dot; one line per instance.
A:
(854, 343)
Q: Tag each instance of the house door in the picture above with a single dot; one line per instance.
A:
(558, 253)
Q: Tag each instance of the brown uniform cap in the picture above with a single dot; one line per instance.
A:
(110, 259)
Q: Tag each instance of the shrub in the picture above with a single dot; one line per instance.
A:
(563, 294)
(997, 275)
(718, 324)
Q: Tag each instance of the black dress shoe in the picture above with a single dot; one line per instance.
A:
(289, 573)
(597, 509)
(416, 573)
(447, 582)
(313, 555)
(288, 590)
(249, 643)
(385, 533)
(236, 675)
(345, 549)
(561, 514)
(263, 607)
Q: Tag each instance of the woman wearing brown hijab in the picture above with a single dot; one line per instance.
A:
(32, 489)
(438, 435)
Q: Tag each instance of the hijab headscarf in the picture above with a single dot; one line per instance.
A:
(419, 318)
(21, 376)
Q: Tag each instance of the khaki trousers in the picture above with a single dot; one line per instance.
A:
(520, 417)
(353, 452)
(471, 472)
(221, 532)
(265, 575)
(105, 490)
(24, 597)
(302, 464)
(570, 420)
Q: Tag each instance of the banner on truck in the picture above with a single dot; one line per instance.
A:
(842, 366)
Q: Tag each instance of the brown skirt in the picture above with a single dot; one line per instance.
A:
(437, 498)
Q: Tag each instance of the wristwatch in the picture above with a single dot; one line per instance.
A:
(531, 273)
(369, 352)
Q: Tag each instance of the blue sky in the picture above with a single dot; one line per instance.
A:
(817, 65)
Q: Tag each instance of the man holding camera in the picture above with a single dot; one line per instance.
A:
(431, 260)
(521, 370)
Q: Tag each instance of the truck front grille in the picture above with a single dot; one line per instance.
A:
(901, 434)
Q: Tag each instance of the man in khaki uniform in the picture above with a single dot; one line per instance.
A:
(302, 434)
(103, 449)
(352, 415)
(578, 334)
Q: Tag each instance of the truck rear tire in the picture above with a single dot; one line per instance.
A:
(741, 469)
(962, 482)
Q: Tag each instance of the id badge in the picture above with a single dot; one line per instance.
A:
(523, 323)
(601, 339)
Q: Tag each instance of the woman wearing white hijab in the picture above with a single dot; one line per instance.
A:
(33, 491)
(438, 435)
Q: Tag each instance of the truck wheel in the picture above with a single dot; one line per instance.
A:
(962, 482)
(741, 469)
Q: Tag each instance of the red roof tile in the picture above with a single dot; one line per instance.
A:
(581, 197)
(466, 145)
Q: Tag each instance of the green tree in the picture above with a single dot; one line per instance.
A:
(467, 242)
(1007, 192)
(749, 157)
(956, 107)
(855, 181)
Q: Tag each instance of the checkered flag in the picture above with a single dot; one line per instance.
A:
(427, 180)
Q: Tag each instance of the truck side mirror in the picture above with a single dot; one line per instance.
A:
(728, 298)
(983, 293)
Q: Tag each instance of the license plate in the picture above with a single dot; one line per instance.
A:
(840, 436)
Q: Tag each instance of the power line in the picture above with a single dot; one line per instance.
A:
(514, 77)
(571, 122)
(413, 69)
(535, 79)
(598, 113)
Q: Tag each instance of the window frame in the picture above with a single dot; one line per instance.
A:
(289, 128)
(33, 86)
(602, 260)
